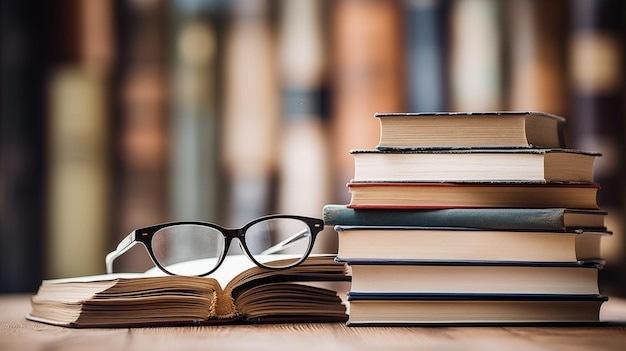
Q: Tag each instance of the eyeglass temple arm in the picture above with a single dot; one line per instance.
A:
(286, 243)
(126, 244)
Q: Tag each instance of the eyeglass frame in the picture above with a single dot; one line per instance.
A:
(144, 236)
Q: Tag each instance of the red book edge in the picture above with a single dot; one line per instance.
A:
(398, 184)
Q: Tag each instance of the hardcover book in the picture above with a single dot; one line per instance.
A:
(476, 164)
(470, 129)
(494, 309)
(472, 195)
(478, 277)
(307, 292)
(465, 244)
(547, 219)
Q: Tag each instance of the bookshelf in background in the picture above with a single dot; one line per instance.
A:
(78, 140)
(596, 59)
(140, 129)
(534, 69)
(24, 44)
(251, 111)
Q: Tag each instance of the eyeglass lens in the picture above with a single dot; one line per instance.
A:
(188, 249)
(191, 249)
(278, 236)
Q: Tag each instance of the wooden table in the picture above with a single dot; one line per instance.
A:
(16, 333)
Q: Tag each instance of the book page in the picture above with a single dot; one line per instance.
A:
(231, 267)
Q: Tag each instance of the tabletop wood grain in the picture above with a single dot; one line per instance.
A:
(16, 333)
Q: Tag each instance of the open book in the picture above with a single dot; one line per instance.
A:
(238, 292)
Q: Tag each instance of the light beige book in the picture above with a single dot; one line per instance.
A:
(503, 164)
(503, 309)
(449, 277)
(471, 129)
(462, 244)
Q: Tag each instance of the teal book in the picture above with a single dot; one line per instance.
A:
(549, 219)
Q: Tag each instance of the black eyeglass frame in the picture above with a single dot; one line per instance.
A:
(144, 236)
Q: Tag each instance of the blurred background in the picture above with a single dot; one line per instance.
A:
(122, 114)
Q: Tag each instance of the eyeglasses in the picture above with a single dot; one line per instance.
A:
(199, 248)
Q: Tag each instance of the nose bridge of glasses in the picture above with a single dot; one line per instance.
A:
(234, 233)
(231, 233)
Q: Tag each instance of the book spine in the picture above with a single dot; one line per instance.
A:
(304, 137)
(251, 111)
(78, 168)
(23, 39)
(475, 55)
(194, 133)
(78, 136)
(536, 52)
(366, 57)
(140, 125)
(426, 44)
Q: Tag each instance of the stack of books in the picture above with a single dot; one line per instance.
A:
(482, 218)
